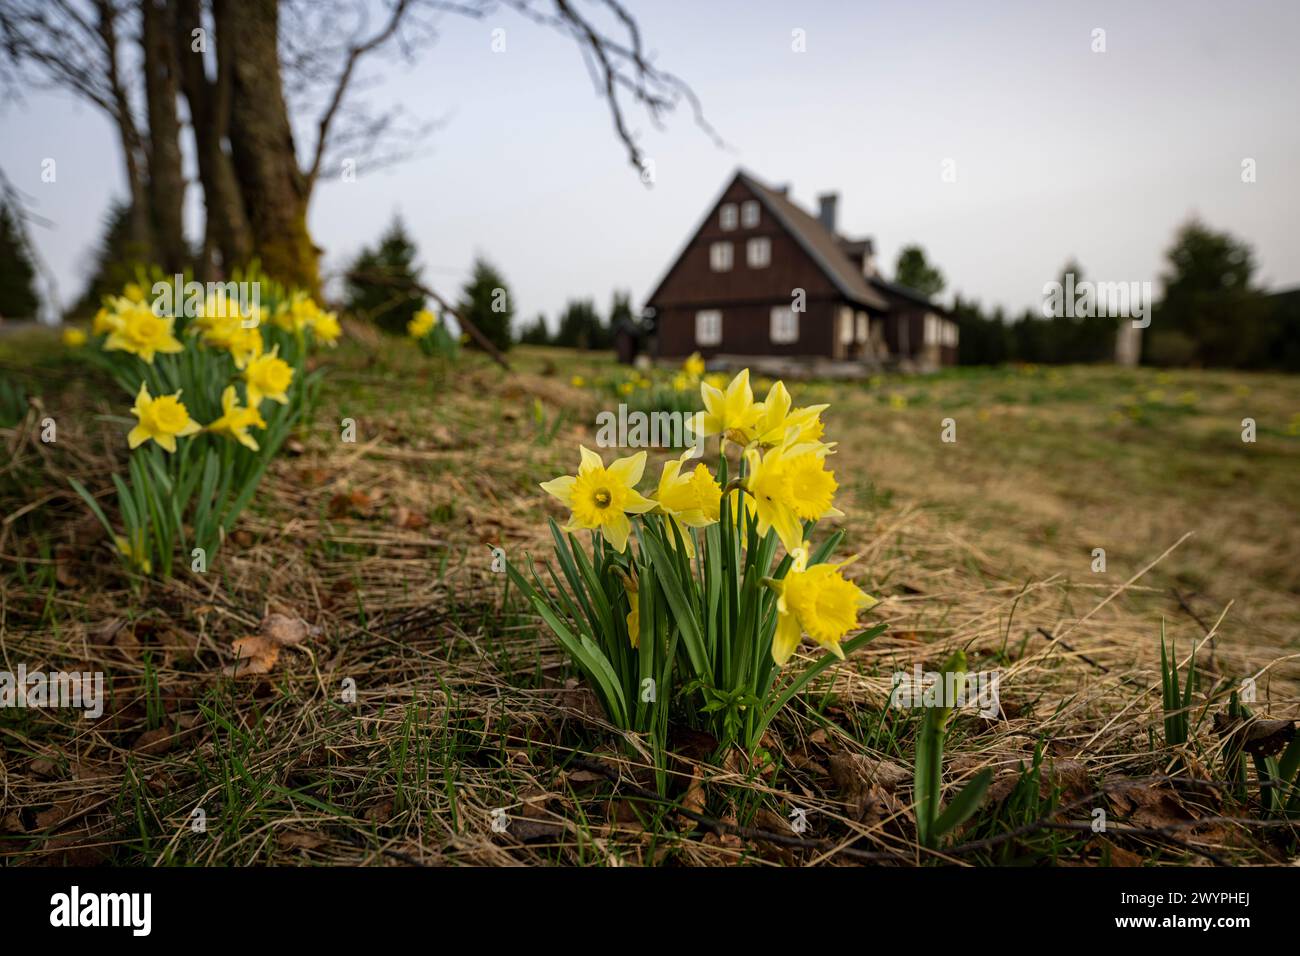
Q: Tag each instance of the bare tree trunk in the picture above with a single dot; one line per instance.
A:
(226, 229)
(141, 232)
(274, 189)
(166, 181)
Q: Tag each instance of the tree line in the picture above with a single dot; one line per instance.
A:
(1211, 312)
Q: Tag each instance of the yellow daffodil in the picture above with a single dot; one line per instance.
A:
(577, 381)
(682, 382)
(133, 293)
(162, 419)
(421, 324)
(790, 485)
(229, 333)
(268, 376)
(694, 365)
(142, 333)
(728, 413)
(235, 421)
(627, 388)
(74, 338)
(692, 500)
(634, 610)
(817, 601)
(601, 498)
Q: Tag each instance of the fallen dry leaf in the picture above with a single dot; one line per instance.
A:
(253, 655)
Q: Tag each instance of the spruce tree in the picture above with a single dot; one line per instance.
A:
(381, 282)
(18, 299)
(487, 303)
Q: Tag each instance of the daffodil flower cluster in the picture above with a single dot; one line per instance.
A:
(685, 579)
(215, 395)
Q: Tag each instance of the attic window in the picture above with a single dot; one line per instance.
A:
(708, 327)
(758, 252)
(720, 257)
(727, 216)
(749, 213)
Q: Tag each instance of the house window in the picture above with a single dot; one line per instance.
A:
(749, 213)
(708, 327)
(933, 329)
(863, 327)
(846, 325)
(785, 325)
(758, 252)
(720, 257)
(727, 216)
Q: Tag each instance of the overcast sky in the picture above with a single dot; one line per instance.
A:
(1059, 151)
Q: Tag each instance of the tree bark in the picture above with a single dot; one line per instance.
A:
(274, 190)
(227, 229)
(140, 231)
(166, 180)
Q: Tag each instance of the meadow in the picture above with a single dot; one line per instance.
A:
(422, 714)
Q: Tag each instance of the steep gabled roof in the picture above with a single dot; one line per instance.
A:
(819, 242)
(814, 238)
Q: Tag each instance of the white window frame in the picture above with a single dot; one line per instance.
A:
(753, 258)
(722, 256)
(749, 213)
(727, 218)
(783, 325)
(708, 327)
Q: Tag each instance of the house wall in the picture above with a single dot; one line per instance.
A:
(746, 330)
(745, 295)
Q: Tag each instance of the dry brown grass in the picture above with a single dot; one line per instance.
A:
(464, 705)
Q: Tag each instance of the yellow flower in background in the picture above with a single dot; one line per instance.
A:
(728, 413)
(790, 485)
(268, 376)
(691, 500)
(897, 401)
(135, 553)
(627, 388)
(601, 498)
(694, 365)
(577, 381)
(142, 333)
(682, 382)
(421, 324)
(162, 419)
(74, 338)
(325, 326)
(818, 601)
(298, 314)
(105, 321)
(717, 380)
(132, 292)
(235, 421)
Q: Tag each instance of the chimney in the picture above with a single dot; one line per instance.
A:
(826, 204)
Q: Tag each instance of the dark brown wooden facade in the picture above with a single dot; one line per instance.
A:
(844, 316)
